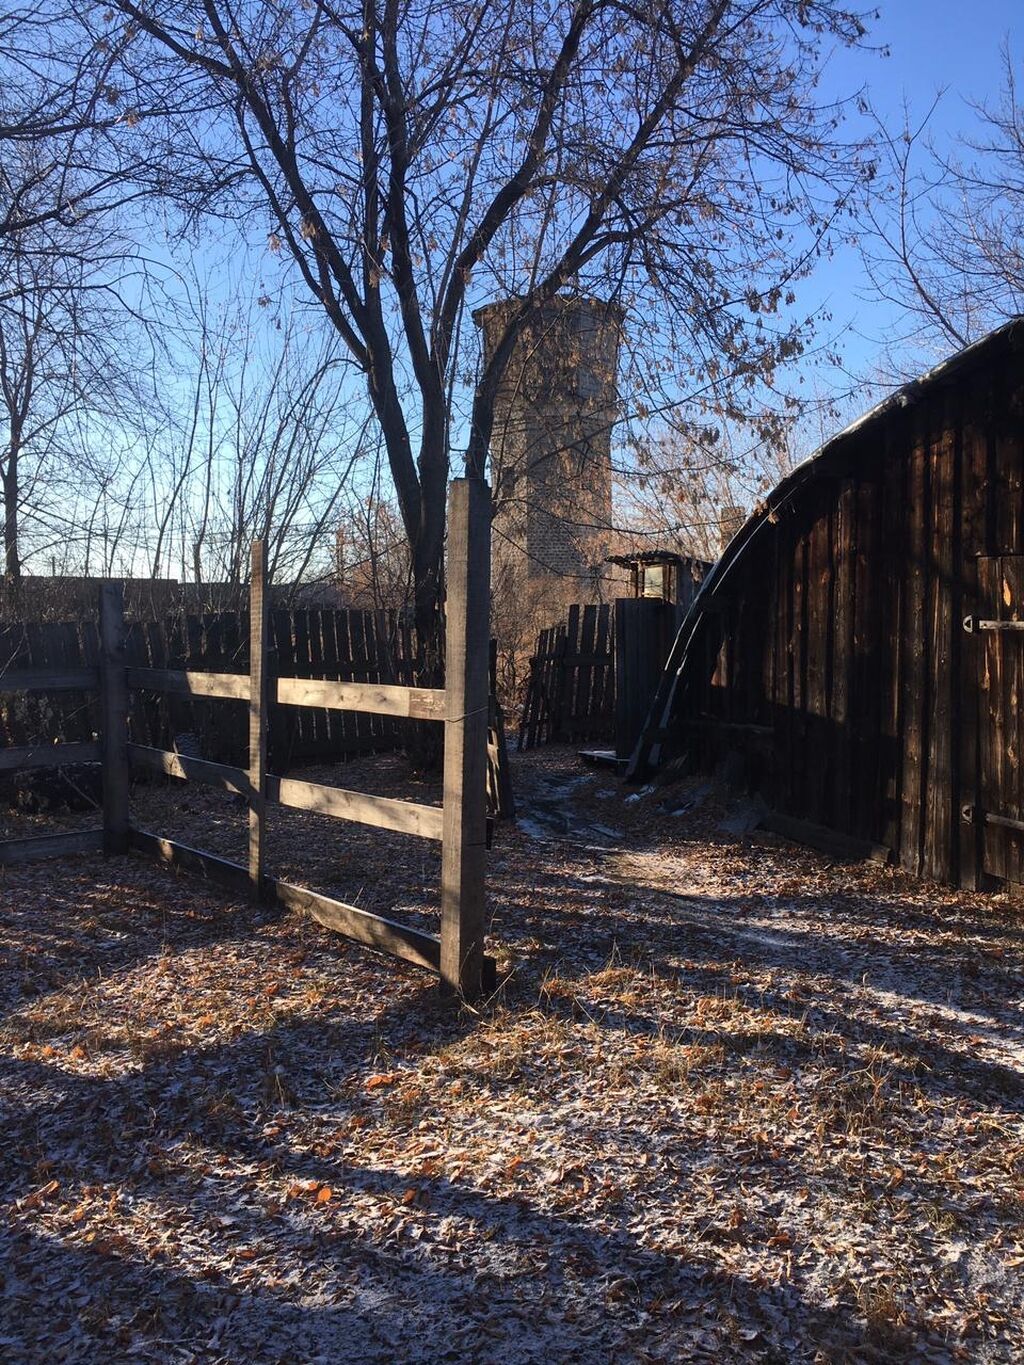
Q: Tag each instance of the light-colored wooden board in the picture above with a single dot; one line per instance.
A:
(221, 775)
(381, 699)
(191, 682)
(383, 812)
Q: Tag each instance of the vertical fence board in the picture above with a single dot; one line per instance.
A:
(257, 716)
(465, 750)
(114, 707)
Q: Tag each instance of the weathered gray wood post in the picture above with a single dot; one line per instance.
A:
(113, 718)
(258, 606)
(464, 822)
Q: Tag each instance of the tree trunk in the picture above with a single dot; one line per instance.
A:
(425, 742)
(12, 557)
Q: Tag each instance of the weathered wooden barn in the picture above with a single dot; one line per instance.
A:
(859, 647)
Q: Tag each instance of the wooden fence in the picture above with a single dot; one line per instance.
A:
(570, 692)
(462, 705)
(335, 645)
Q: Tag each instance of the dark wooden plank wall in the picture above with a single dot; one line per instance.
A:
(570, 693)
(645, 628)
(833, 654)
(342, 646)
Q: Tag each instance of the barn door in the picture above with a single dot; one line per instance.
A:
(997, 641)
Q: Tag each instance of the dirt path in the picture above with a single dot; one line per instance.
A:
(734, 1103)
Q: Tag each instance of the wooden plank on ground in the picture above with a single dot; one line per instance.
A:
(372, 931)
(49, 755)
(209, 866)
(834, 842)
(50, 846)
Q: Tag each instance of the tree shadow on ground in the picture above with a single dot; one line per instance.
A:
(360, 1296)
(517, 1270)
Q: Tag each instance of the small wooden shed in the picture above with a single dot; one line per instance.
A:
(663, 586)
(859, 647)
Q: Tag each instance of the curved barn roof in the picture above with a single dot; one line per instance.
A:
(827, 461)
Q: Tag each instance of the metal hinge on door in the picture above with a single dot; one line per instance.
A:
(972, 624)
(974, 815)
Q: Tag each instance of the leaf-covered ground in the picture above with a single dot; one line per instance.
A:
(734, 1103)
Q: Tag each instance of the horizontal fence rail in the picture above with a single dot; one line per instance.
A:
(191, 682)
(221, 775)
(383, 812)
(373, 931)
(50, 845)
(49, 755)
(409, 703)
(49, 680)
(303, 644)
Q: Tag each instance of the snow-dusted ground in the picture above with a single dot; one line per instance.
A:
(734, 1102)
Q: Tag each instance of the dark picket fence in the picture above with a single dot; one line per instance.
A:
(322, 643)
(570, 692)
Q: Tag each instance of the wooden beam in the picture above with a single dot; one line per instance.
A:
(191, 683)
(463, 856)
(846, 847)
(371, 931)
(383, 812)
(380, 699)
(114, 718)
(50, 680)
(209, 866)
(49, 755)
(257, 793)
(973, 624)
(220, 775)
(50, 846)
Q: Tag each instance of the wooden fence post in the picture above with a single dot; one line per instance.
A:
(258, 606)
(464, 831)
(114, 718)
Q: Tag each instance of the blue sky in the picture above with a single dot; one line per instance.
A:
(933, 44)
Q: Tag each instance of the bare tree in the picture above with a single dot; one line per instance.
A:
(410, 159)
(946, 239)
(65, 372)
(245, 430)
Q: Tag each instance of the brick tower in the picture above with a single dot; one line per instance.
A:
(551, 449)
